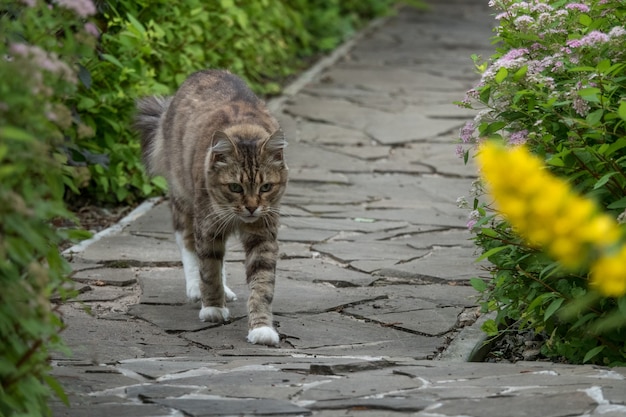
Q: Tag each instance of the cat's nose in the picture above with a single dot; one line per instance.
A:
(251, 209)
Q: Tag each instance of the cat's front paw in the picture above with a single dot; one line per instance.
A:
(214, 314)
(263, 336)
(230, 295)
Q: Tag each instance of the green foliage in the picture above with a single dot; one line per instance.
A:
(150, 47)
(39, 48)
(556, 85)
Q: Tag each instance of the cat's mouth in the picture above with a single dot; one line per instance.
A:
(249, 218)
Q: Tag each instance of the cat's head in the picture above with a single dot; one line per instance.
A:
(246, 172)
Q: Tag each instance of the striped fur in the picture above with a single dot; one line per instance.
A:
(222, 154)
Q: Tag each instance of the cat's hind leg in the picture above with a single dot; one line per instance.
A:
(186, 244)
(229, 294)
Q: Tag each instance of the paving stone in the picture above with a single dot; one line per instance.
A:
(108, 410)
(221, 407)
(125, 250)
(323, 133)
(437, 265)
(154, 368)
(304, 235)
(106, 276)
(560, 405)
(175, 318)
(356, 224)
(303, 157)
(353, 251)
(157, 220)
(319, 271)
(333, 333)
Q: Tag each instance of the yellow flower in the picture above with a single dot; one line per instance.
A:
(608, 274)
(546, 212)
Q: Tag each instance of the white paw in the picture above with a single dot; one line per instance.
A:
(193, 291)
(230, 295)
(214, 314)
(263, 336)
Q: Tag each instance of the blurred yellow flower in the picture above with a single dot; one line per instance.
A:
(546, 212)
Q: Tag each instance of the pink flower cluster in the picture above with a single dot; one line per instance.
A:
(82, 8)
(42, 60)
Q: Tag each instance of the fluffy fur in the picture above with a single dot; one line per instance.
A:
(222, 155)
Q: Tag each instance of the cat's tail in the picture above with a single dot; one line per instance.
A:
(146, 123)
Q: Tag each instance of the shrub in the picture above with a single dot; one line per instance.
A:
(39, 48)
(150, 47)
(556, 85)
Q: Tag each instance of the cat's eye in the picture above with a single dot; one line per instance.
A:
(235, 188)
(265, 187)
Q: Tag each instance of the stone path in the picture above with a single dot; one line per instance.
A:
(373, 276)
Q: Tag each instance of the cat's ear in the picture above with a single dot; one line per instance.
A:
(221, 147)
(275, 145)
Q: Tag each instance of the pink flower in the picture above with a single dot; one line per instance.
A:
(467, 132)
(82, 8)
(518, 138)
(578, 6)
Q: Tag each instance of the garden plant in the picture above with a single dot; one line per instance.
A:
(555, 89)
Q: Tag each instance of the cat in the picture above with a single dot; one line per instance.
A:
(221, 152)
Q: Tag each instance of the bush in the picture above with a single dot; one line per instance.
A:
(556, 85)
(150, 47)
(39, 49)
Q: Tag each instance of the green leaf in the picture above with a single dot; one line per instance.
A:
(113, 60)
(491, 252)
(591, 94)
(595, 117)
(619, 204)
(552, 308)
(501, 75)
(478, 284)
(490, 327)
(621, 111)
(585, 20)
(593, 352)
(15, 133)
(605, 178)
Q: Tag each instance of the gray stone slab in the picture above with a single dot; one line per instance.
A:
(154, 368)
(229, 407)
(103, 294)
(304, 235)
(106, 276)
(129, 250)
(390, 80)
(561, 405)
(108, 410)
(355, 224)
(408, 126)
(177, 318)
(405, 405)
(299, 296)
(440, 158)
(352, 251)
(438, 264)
(368, 153)
(318, 271)
(303, 157)
(316, 175)
(323, 133)
(333, 334)
(162, 285)
(158, 221)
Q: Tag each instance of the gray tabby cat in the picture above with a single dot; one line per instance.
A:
(222, 155)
